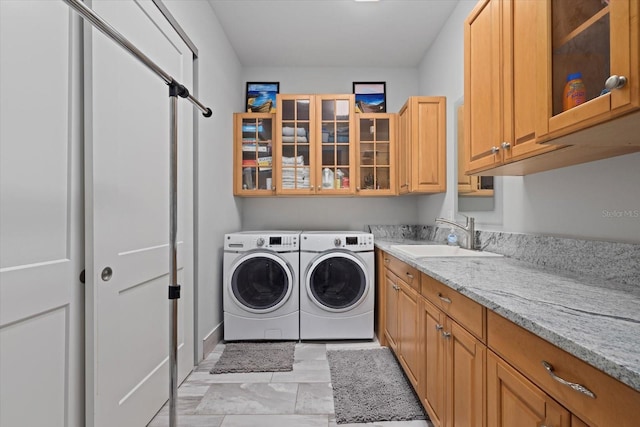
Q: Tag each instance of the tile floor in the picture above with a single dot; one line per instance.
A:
(300, 398)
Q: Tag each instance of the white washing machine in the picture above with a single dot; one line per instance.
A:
(337, 291)
(260, 285)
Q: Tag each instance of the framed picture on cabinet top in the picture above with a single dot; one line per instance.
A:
(261, 97)
(371, 97)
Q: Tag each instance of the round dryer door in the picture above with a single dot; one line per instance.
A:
(261, 282)
(337, 281)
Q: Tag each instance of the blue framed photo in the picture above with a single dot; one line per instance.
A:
(371, 97)
(261, 97)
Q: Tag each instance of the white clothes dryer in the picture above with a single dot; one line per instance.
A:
(260, 285)
(337, 291)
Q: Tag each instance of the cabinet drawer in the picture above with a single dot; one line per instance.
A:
(465, 311)
(405, 272)
(614, 404)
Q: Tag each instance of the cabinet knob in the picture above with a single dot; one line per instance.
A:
(495, 150)
(506, 145)
(439, 327)
(446, 335)
(357, 188)
(409, 275)
(615, 82)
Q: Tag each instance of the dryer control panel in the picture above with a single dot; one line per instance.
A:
(245, 241)
(322, 241)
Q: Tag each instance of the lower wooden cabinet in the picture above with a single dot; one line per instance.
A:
(432, 393)
(474, 368)
(513, 400)
(453, 387)
(402, 327)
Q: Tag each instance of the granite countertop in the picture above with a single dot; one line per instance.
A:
(596, 320)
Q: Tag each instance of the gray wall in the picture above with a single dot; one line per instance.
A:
(218, 212)
(598, 200)
(332, 213)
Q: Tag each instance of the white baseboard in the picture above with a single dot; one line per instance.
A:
(211, 340)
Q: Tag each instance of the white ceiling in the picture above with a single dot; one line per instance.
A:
(331, 33)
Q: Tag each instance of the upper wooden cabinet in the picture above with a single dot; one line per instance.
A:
(314, 144)
(376, 154)
(422, 145)
(500, 88)
(518, 55)
(599, 39)
(253, 154)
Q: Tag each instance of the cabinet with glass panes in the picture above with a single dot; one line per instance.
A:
(376, 171)
(598, 42)
(253, 154)
(314, 141)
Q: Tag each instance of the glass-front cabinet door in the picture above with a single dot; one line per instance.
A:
(253, 154)
(375, 154)
(295, 139)
(591, 66)
(335, 142)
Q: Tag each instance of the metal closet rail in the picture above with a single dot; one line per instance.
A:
(175, 90)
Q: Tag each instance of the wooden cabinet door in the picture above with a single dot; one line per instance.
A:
(432, 355)
(404, 154)
(295, 140)
(512, 400)
(376, 154)
(253, 154)
(482, 86)
(598, 39)
(335, 144)
(465, 378)
(408, 332)
(428, 144)
(391, 310)
(524, 84)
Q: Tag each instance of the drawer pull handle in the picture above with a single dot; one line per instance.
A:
(439, 327)
(446, 335)
(577, 387)
(443, 298)
(409, 275)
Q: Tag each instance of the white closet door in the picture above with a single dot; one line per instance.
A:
(41, 251)
(127, 190)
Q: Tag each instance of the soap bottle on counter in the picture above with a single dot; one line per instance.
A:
(452, 238)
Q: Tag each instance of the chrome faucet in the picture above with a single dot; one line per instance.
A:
(469, 228)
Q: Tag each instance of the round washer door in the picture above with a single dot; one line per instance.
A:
(337, 281)
(261, 282)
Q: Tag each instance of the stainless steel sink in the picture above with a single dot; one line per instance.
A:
(434, 251)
